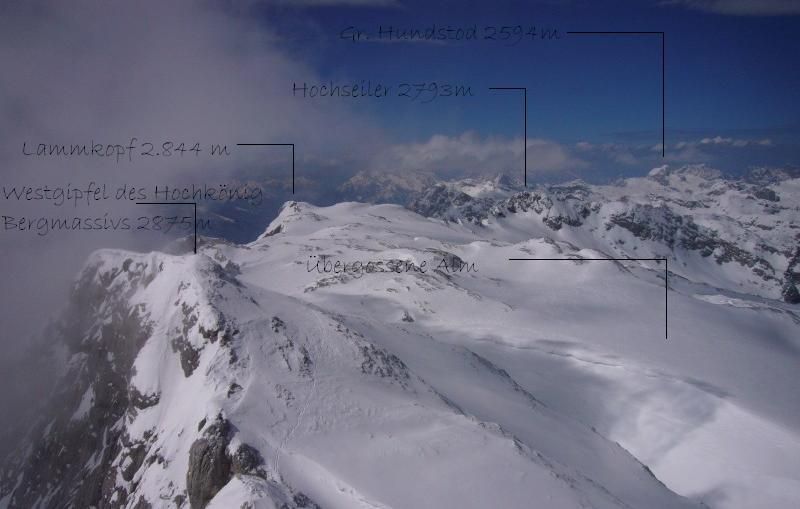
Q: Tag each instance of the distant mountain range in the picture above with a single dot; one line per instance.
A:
(712, 227)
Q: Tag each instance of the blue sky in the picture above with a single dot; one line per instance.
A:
(731, 72)
(222, 71)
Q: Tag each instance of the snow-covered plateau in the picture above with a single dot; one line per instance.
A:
(244, 376)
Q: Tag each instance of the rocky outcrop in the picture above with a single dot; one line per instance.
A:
(438, 200)
(210, 466)
(790, 292)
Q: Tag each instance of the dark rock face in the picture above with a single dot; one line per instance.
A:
(278, 229)
(142, 504)
(247, 461)
(438, 199)
(765, 193)
(766, 176)
(302, 501)
(652, 223)
(211, 467)
(681, 231)
(209, 464)
(189, 356)
(142, 401)
(277, 324)
(296, 357)
(379, 362)
(453, 205)
(790, 292)
(106, 334)
(136, 453)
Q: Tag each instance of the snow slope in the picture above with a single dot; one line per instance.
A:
(243, 377)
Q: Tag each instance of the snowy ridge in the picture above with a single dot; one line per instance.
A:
(243, 377)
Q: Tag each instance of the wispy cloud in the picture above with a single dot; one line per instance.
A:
(720, 141)
(471, 153)
(741, 7)
(724, 151)
(182, 71)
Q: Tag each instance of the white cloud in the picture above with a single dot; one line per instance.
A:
(470, 153)
(720, 141)
(180, 70)
(741, 7)
(717, 140)
(712, 148)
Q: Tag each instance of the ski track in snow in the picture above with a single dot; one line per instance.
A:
(341, 487)
(307, 401)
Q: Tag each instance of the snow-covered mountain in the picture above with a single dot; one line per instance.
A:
(368, 356)
(384, 187)
(739, 234)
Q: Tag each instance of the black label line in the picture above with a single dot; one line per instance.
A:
(273, 145)
(663, 73)
(193, 203)
(525, 124)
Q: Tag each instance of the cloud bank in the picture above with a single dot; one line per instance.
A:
(471, 154)
(83, 71)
